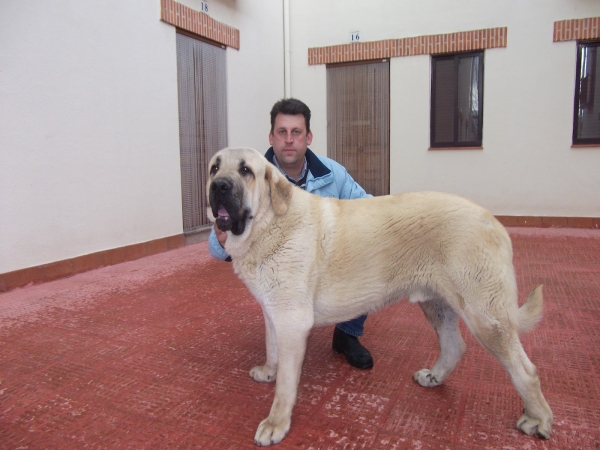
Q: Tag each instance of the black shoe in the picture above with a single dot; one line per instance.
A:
(357, 355)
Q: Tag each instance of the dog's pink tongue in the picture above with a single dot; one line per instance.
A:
(222, 212)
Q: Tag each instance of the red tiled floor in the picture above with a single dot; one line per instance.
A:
(155, 353)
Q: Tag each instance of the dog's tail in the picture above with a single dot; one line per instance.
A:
(530, 313)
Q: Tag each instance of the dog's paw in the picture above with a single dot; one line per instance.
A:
(269, 432)
(262, 374)
(534, 427)
(425, 378)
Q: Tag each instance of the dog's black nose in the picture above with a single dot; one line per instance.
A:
(221, 185)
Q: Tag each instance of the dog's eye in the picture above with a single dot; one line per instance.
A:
(214, 169)
(245, 170)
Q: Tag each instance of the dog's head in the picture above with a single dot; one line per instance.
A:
(240, 182)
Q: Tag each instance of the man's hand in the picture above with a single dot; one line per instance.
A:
(221, 235)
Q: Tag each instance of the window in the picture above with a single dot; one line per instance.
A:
(457, 100)
(586, 122)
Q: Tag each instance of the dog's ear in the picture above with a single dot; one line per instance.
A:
(281, 190)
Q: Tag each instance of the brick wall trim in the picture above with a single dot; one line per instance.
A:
(79, 264)
(462, 41)
(198, 23)
(550, 222)
(576, 29)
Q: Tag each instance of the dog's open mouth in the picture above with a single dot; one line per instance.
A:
(235, 224)
(224, 220)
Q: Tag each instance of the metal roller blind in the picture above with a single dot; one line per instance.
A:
(201, 80)
(358, 122)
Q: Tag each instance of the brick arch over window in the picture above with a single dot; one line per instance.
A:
(420, 45)
(199, 23)
(577, 29)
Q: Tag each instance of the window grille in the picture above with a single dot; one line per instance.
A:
(457, 100)
(586, 122)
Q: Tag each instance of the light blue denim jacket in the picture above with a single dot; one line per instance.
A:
(326, 178)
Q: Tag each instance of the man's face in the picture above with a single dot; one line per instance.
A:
(290, 140)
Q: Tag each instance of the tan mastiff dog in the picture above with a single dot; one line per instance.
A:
(312, 261)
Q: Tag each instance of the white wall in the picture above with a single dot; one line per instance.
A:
(527, 166)
(89, 137)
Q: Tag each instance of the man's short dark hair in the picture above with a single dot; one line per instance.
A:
(290, 107)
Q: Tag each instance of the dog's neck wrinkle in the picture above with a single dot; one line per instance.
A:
(239, 246)
(266, 228)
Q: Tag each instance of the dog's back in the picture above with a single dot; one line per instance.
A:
(378, 250)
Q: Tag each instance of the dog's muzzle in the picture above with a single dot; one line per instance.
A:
(226, 205)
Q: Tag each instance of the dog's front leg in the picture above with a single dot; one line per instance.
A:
(291, 339)
(267, 372)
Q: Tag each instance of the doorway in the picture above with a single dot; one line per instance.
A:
(358, 122)
(201, 82)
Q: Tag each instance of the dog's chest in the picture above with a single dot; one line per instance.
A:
(258, 280)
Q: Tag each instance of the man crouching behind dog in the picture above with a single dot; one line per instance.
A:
(290, 137)
(312, 261)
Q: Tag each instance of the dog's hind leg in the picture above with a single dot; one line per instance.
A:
(502, 341)
(537, 418)
(452, 346)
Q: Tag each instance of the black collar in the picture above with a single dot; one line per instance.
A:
(315, 166)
